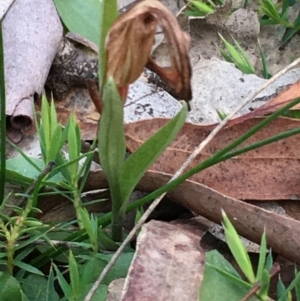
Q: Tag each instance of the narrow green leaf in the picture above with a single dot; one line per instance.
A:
(281, 290)
(74, 276)
(285, 7)
(139, 162)
(270, 10)
(265, 71)
(244, 56)
(54, 148)
(9, 288)
(202, 7)
(297, 285)
(262, 257)
(107, 17)
(27, 267)
(86, 221)
(51, 294)
(269, 261)
(111, 138)
(25, 252)
(46, 126)
(290, 32)
(264, 285)
(286, 295)
(105, 241)
(85, 270)
(81, 17)
(238, 249)
(227, 57)
(238, 58)
(53, 119)
(63, 283)
(267, 22)
(73, 149)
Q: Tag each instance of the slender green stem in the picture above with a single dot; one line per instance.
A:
(2, 120)
(107, 17)
(77, 205)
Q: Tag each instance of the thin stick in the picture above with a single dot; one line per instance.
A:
(179, 172)
(94, 94)
(31, 188)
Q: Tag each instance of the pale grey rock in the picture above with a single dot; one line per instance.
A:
(218, 85)
(145, 102)
(115, 290)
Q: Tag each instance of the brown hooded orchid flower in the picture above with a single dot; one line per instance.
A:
(129, 43)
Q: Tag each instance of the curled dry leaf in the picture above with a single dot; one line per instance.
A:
(130, 40)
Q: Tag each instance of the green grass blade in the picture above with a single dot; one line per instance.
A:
(111, 136)
(73, 148)
(245, 57)
(265, 72)
(264, 285)
(202, 7)
(227, 57)
(139, 162)
(238, 249)
(297, 286)
(262, 257)
(50, 290)
(111, 146)
(237, 57)
(108, 15)
(74, 275)
(63, 283)
(293, 284)
(270, 10)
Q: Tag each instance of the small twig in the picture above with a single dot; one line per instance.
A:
(274, 271)
(178, 173)
(94, 94)
(31, 188)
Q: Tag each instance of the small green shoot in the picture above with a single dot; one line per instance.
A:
(238, 249)
(237, 56)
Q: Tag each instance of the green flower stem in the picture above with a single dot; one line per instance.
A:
(77, 205)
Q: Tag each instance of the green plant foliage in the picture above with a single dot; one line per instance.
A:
(20, 171)
(297, 286)
(123, 175)
(238, 249)
(9, 288)
(264, 285)
(196, 8)
(286, 294)
(81, 17)
(262, 257)
(38, 288)
(95, 266)
(140, 161)
(221, 282)
(108, 15)
(237, 56)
